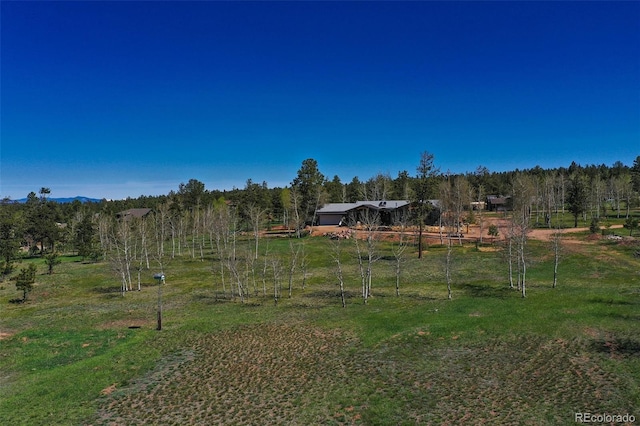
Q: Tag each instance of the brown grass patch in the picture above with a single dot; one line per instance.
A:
(255, 374)
(108, 390)
(5, 335)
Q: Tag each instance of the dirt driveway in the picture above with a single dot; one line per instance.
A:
(471, 233)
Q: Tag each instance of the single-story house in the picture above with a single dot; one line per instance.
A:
(346, 213)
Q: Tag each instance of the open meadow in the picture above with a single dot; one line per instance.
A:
(79, 352)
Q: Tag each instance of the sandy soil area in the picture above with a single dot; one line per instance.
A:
(470, 233)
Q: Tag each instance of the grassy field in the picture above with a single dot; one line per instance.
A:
(70, 355)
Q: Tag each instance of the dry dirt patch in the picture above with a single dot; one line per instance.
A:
(5, 335)
(269, 374)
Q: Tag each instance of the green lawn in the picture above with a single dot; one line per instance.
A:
(69, 356)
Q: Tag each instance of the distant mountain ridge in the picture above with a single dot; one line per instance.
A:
(64, 200)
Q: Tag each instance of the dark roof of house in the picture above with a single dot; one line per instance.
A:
(134, 213)
(341, 208)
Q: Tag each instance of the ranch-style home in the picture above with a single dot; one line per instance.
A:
(347, 213)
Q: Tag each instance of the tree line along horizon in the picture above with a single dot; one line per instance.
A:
(593, 185)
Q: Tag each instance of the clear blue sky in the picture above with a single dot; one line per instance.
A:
(116, 99)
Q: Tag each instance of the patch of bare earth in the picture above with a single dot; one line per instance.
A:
(283, 374)
(266, 374)
(502, 382)
(5, 335)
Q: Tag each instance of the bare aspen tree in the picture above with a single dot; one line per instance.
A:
(294, 254)
(265, 266)
(508, 248)
(256, 217)
(371, 258)
(144, 230)
(598, 189)
(449, 204)
(194, 218)
(562, 185)
(556, 244)
(119, 251)
(336, 255)
(448, 267)
(523, 191)
(480, 203)
(174, 231)
(304, 263)
(207, 226)
(617, 185)
(628, 192)
(378, 187)
(549, 198)
(159, 223)
(359, 253)
(400, 246)
(233, 267)
(177, 224)
(460, 200)
(232, 258)
(537, 195)
(285, 200)
(370, 221)
(199, 227)
(276, 269)
(139, 249)
(220, 228)
(298, 220)
(250, 272)
(104, 228)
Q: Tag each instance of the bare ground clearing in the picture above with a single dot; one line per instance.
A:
(471, 233)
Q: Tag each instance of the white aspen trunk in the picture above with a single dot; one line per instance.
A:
(336, 254)
(264, 272)
(173, 240)
(557, 241)
(519, 265)
(304, 267)
(222, 279)
(124, 283)
(555, 264)
(292, 265)
(361, 268)
(524, 269)
(510, 257)
(398, 260)
(448, 269)
(370, 261)
(341, 280)
(194, 233)
(276, 279)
